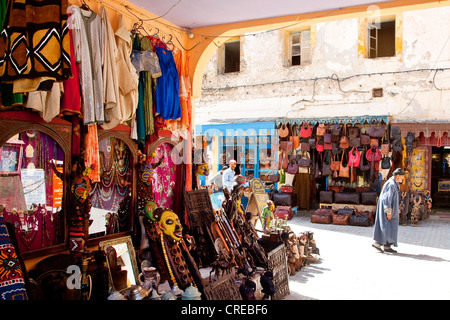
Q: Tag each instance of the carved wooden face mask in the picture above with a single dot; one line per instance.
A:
(203, 169)
(170, 225)
(81, 188)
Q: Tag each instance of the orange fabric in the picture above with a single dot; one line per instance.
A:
(92, 159)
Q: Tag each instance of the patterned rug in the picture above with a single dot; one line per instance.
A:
(12, 286)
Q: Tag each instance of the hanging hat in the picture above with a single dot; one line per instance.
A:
(398, 172)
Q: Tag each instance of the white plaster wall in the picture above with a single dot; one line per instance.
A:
(265, 88)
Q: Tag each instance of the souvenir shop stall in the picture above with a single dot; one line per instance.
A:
(98, 192)
(89, 118)
(342, 165)
(339, 163)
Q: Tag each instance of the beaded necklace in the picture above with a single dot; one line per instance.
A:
(166, 258)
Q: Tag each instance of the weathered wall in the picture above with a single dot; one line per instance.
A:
(266, 88)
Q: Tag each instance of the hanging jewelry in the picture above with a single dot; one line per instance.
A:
(166, 258)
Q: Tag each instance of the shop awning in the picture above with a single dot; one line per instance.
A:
(428, 129)
(331, 120)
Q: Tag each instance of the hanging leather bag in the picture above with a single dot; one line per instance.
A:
(353, 132)
(377, 130)
(336, 129)
(305, 146)
(344, 171)
(293, 166)
(326, 166)
(283, 132)
(305, 131)
(304, 160)
(295, 141)
(320, 129)
(354, 158)
(343, 143)
(364, 165)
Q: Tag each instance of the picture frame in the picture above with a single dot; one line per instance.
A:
(11, 157)
(125, 261)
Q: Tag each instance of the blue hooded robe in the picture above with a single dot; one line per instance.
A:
(385, 231)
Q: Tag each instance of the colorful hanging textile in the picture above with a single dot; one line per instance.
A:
(167, 88)
(12, 284)
(92, 159)
(34, 44)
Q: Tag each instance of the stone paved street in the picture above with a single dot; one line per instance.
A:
(349, 268)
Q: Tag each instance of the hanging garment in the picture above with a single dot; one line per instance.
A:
(71, 99)
(146, 63)
(34, 44)
(128, 79)
(113, 113)
(8, 98)
(167, 88)
(92, 159)
(47, 103)
(302, 189)
(88, 36)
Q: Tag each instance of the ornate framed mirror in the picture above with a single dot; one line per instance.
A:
(121, 259)
(34, 180)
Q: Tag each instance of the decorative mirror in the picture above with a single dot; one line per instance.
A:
(121, 259)
(34, 166)
(113, 198)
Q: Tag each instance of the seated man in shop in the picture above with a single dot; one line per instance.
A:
(228, 176)
(217, 181)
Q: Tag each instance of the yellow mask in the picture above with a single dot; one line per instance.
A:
(170, 225)
(203, 169)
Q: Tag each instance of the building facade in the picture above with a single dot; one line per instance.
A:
(389, 65)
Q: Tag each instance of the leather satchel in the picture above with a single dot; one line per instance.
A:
(344, 172)
(353, 132)
(336, 129)
(287, 189)
(285, 199)
(293, 166)
(320, 129)
(341, 219)
(365, 139)
(274, 177)
(355, 142)
(283, 212)
(305, 146)
(304, 160)
(376, 131)
(368, 214)
(369, 198)
(322, 216)
(347, 198)
(334, 165)
(326, 196)
(359, 221)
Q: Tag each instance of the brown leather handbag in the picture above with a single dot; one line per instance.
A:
(344, 172)
(341, 219)
(320, 129)
(323, 216)
(283, 132)
(347, 197)
(326, 196)
(377, 130)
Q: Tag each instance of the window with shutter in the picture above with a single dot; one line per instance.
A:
(300, 48)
